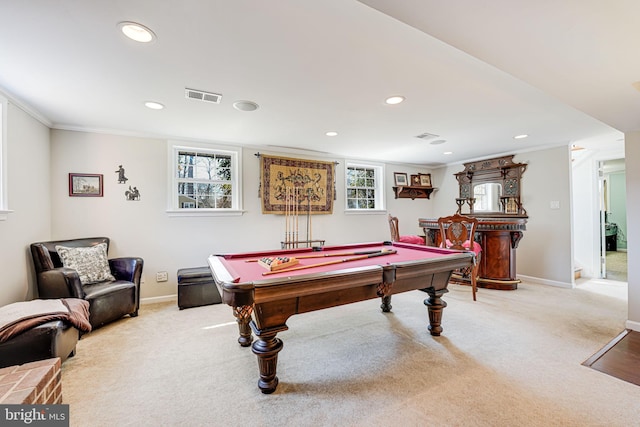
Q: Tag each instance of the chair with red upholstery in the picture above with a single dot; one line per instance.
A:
(396, 237)
(457, 232)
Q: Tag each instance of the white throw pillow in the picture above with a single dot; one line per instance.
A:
(91, 262)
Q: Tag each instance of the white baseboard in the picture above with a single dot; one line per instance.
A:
(538, 280)
(154, 300)
(634, 326)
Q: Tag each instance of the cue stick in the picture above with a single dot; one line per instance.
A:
(309, 217)
(288, 217)
(334, 254)
(344, 254)
(297, 213)
(356, 258)
(293, 217)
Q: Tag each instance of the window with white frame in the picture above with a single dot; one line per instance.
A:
(206, 178)
(364, 189)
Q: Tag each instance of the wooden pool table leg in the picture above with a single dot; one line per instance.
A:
(384, 291)
(267, 347)
(386, 304)
(435, 305)
(243, 316)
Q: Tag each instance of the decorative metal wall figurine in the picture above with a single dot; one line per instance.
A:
(132, 194)
(121, 178)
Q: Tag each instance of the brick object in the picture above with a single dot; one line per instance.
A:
(35, 383)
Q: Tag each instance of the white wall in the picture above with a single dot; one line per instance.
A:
(142, 228)
(586, 216)
(546, 251)
(448, 190)
(632, 160)
(29, 198)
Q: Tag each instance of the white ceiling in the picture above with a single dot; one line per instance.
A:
(474, 73)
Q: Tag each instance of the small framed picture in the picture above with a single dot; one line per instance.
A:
(400, 179)
(415, 180)
(425, 179)
(85, 185)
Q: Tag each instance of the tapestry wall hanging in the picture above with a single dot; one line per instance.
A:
(311, 181)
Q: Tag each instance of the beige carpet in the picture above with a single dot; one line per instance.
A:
(513, 358)
(616, 264)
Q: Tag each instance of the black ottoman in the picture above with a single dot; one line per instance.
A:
(49, 340)
(196, 288)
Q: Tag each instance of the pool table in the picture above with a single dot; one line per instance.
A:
(263, 300)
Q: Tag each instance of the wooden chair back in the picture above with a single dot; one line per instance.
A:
(457, 232)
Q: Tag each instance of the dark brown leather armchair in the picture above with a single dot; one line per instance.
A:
(108, 301)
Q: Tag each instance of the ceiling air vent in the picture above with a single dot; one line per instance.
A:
(200, 95)
(427, 136)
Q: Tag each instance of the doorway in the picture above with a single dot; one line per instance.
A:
(613, 220)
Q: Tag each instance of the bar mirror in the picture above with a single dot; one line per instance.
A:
(491, 187)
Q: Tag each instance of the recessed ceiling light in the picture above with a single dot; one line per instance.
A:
(438, 142)
(245, 105)
(154, 105)
(393, 100)
(520, 136)
(331, 133)
(137, 32)
(446, 153)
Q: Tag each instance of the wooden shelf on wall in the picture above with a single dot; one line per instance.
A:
(411, 192)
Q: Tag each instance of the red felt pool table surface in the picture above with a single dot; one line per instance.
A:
(243, 268)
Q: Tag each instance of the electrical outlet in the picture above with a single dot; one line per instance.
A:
(162, 276)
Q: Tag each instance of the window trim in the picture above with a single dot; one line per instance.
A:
(234, 152)
(379, 169)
